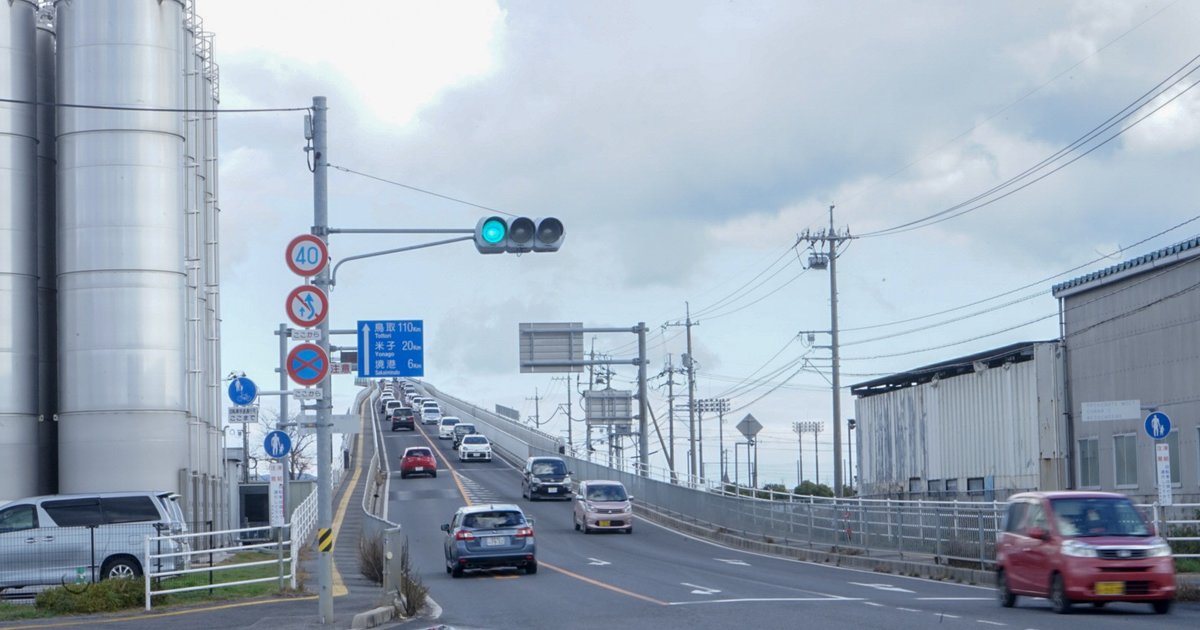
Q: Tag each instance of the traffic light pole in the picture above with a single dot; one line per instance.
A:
(325, 405)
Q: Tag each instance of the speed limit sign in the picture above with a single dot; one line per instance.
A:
(307, 255)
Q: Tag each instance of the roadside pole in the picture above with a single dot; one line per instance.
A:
(325, 405)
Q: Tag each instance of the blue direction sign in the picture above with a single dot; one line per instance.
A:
(277, 444)
(1158, 425)
(242, 391)
(391, 348)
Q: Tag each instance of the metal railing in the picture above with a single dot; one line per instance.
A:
(182, 560)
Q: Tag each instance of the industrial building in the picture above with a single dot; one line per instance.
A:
(110, 322)
(1066, 413)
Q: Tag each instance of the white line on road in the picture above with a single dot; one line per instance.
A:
(991, 623)
(768, 599)
(701, 590)
(885, 587)
(596, 562)
(873, 604)
(907, 609)
(954, 599)
(949, 616)
(739, 563)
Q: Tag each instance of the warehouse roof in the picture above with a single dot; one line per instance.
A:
(1166, 256)
(1013, 353)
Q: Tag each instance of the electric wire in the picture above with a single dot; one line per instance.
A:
(170, 110)
(420, 190)
(1123, 114)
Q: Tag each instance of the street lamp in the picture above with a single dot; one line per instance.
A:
(850, 426)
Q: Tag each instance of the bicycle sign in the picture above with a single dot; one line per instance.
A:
(306, 255)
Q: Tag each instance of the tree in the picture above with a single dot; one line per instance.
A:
(300, 460)
(809, 488)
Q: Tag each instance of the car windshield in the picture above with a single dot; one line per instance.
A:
(548, 467)
(475, 439)
(418, 452)
(493, 520)
(449, 421)
(606, 493)
(1099, 516)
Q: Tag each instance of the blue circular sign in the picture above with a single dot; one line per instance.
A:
(277, 444)
(1158, 425)
(242, 391)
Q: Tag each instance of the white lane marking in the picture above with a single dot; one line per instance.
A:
(954, 599)
(991, 623)
(595, 562)
(885, 587)
(895, 576)
(701, 590)
(907, 609)
(873, 604)
(739, 563)
(743, 600)
(949, 616)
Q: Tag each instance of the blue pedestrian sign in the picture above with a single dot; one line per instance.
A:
(277, 444)
(242, 391)
(1158, 425)
(391, 348)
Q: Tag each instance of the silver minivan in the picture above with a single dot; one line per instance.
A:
(60, 539)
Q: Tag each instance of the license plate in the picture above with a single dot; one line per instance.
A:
(1110, 588)
(551, 490)
(495, 541)
(419, 469)
(603, 523)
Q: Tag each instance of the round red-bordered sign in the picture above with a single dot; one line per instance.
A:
(307, 306)
(306, 255)
(308, 364)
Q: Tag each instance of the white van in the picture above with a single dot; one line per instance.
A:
(57, 539)
(446, 427)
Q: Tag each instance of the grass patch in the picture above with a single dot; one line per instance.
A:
(1187, 565)
(114, 595)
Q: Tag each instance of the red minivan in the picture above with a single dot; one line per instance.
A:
(1074, 546)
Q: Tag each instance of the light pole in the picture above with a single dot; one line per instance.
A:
(814, 428)
(718, 406)
(850, 425)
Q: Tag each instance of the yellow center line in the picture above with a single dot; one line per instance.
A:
(445, 460)
(615, 589)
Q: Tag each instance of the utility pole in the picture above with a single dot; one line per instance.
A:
(671, 412)
(690, 363)
(799, 453)
(567, 380)
(536, 415)
(819, 260)
(324, 407)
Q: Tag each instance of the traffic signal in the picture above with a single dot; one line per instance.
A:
(517, 235)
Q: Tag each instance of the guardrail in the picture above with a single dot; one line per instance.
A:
(283, 546)
(949, 532)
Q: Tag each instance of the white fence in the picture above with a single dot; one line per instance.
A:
(285, 559)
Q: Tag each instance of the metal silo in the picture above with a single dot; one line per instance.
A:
(18, 251)
(121, 275)
(47, 317)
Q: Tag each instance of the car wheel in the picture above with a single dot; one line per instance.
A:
(448, 568)
(403, 476)
(1007, 598)
(586, 529)
(433, 474)
(531, 567)
(1162, 606)
(1058, 595)
(120, 568)
(1098, 604)
(629, 530)
(457, 572)
(576, 522)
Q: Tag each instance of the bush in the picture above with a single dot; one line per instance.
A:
(412, 590)
(370, 558)
(107, 596)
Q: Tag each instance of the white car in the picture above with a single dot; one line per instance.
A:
(475, 447)
(446, 427)
(430, 415)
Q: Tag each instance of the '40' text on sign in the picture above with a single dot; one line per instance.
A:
(391, 348)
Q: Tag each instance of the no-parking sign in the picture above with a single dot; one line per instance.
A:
(308, 364)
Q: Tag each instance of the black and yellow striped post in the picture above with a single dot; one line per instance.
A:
(325, 539)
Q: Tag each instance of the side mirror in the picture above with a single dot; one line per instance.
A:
(446, 527)
(630, 497)
(1038, 533)
(529, 519)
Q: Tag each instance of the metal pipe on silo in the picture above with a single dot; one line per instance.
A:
(194, 194)
(121, 276)
(47, 316)
(18, 251)
(212, 253)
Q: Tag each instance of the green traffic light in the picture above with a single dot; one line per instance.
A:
(493, 231)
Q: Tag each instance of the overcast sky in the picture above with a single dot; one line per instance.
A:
(685, 145)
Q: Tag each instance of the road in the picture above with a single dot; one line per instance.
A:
(657, 578)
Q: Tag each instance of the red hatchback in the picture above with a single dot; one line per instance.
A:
(417, 460)
(1082, 547)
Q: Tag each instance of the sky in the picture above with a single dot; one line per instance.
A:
(687, 147)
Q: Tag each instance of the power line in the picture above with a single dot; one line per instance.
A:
(171, 110)
(420, 190)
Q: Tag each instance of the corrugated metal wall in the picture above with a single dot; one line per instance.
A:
(1139, 338)
(991, 423)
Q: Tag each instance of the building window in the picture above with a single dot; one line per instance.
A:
(974, 486)
(1125, 460)
(935, 487)
(914, 485)
(1172, 441)
(952, 487)
(1089, 463)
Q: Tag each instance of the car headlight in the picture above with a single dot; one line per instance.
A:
(536, 481)
(1078, 549)
(1158, 550)
(627, 508)
(567, 480)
